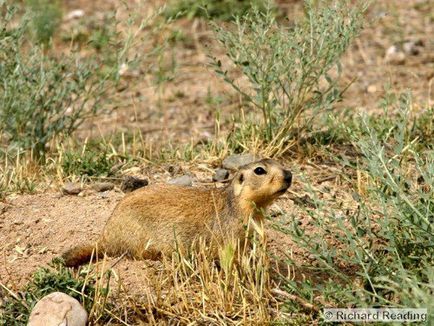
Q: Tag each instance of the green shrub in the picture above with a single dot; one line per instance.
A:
(287, 68)
(220, 9)
(382, 253)
(45, 17)
(41, 96)
(46, 96)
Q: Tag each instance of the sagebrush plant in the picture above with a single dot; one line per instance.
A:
(47, 96)
(385, 254)
(42, 96)
(288, 69)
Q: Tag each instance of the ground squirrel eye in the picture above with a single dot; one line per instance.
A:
(259, 171)
(241, 178)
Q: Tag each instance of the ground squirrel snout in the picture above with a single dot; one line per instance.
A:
(155, 220)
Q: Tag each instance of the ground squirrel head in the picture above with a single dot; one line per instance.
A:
(259, 183)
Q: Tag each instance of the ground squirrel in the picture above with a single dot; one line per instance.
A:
(151, 221)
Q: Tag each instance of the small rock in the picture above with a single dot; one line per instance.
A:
(394, 56)
(86, 193)
(131, 183)
(74, 14)
(220, 175)
(234, 162)
(371, 89)
(72, 188)
(125, 71)
(57, 309)
(103, 186)
(185, 180)
(103, 195)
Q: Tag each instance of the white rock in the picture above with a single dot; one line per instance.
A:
(58, 309)
(123, 69)
(371, 89)
(74, 14)
(394, 56)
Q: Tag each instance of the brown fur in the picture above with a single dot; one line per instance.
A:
(151, 221)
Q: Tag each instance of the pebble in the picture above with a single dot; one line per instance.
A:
(71, 188)
(234, 162)
(220, 175)
(74, 14)
(103, 186)
(371, 89)
(130, 183)
(57, 309)
(185, 180)
(86, 193)
(394, 56)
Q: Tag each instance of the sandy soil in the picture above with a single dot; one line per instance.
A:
(37, 228)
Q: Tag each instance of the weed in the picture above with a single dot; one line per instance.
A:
(288, 69)
(18, 174)
(97, 162)
(221, 9)
(45, 17)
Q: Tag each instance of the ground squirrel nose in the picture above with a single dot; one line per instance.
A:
(287, 175)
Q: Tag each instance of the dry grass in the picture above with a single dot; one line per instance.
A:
(185, 289)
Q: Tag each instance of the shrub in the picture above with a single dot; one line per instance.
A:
(43, 96)
(45, 17)
(382, 253)
(287, 68)
(47, 96)
(220, 9)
